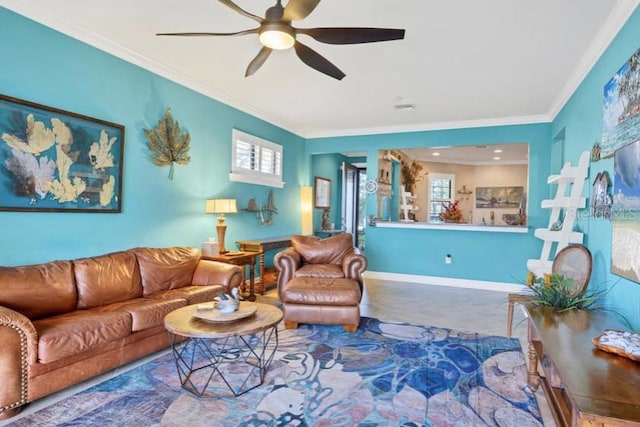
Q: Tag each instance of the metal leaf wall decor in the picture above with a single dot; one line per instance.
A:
(168, 145)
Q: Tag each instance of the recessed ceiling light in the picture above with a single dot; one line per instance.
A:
(435, 153)
(497, 151)
(496, 158)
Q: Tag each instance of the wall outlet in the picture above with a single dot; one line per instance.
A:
(447, 259)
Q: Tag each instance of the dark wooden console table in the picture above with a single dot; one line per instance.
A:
(585, 386)
(261, 246)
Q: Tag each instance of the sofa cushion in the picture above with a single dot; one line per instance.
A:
(193, 294)
(145, 313)
(320, 270)
(166, 268)
(323, 251)
(79, 331)
(107, 279)
(39, 290)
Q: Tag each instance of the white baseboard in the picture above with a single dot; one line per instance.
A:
(446, 281)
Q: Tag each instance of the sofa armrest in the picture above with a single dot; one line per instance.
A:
(353, 265)
(19, 348)
(210, 272)
(286, 262)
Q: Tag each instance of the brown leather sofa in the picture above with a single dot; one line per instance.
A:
(320, 281)
(66, 321)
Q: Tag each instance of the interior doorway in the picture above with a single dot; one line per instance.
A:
(353, 202)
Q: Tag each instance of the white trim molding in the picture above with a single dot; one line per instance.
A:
(446, 281)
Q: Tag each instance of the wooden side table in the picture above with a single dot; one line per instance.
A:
(261, 246)
(241, 259)
(512, 299)
(584, 386)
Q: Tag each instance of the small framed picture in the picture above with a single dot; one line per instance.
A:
(322, 192)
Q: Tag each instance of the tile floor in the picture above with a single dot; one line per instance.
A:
(449, 307)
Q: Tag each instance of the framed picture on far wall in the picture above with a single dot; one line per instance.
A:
(56, 161)
(322, 191)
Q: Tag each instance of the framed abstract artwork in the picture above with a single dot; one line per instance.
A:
(322, 192)
(57, 161)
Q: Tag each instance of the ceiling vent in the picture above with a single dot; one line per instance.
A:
(404, 107)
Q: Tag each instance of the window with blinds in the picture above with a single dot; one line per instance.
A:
(440, 194)
(256, 160)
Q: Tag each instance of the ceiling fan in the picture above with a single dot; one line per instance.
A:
(276, 32)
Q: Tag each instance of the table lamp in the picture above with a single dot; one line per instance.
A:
(221, 207)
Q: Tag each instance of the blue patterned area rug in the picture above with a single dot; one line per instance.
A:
(386, 374)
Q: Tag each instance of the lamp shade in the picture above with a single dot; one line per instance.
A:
(306, 210)
(221, 206)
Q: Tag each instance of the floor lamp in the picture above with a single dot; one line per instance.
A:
(221, 207)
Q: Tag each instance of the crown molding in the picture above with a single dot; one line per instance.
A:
(618, 17)
(419, 127)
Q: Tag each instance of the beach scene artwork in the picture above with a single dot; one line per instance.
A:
(625, 246)
(621, 113)
(499, 197)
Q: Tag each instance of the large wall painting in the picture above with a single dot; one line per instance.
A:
(625, 246)
(621, 115)
(499, 197)
(56, 161)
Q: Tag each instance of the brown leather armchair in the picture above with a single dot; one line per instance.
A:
(320, 281)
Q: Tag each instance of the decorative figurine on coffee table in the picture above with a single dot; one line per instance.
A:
(228, 303)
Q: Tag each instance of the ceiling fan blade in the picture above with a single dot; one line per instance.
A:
(297, 10)
(240, 10)
(258, 61)
(316, 61)
(352, 35)
(238, 33)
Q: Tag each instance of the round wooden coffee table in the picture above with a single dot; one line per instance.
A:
(220, 354)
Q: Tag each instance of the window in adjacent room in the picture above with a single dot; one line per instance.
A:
(441, 187)
(255, 160)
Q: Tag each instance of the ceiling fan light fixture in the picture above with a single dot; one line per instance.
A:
(277, 36)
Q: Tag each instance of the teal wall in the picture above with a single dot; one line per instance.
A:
(581, 122)
(46, 67)
(498, 257)
(43, 66)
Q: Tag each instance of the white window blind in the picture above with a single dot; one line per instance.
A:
(256, 160)
(440, 191)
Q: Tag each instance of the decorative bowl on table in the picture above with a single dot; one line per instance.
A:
(513, 219)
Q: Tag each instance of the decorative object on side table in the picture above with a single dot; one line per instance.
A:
(622, 343)
(221, 207)
(168, 145)
(57, 161)
(326, 224)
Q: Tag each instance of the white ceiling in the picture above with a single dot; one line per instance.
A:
(462, 63)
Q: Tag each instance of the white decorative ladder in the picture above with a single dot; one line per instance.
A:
(571, 178)
(406, 206)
